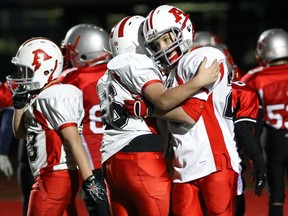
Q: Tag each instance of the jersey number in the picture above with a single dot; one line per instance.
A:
(31, 147)
(95, 123)
(276, 118)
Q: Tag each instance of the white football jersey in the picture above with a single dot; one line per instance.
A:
(198, 148)
(127, 75)
(54, 108)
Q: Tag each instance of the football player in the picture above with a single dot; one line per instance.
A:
(205, 159)
(86, 48)
(49, 116)
(132, 149)
(270, 81)
(245, 105)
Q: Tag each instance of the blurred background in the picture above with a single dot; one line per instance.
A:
(237, 22)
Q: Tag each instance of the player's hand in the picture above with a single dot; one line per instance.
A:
(206, 76)
(260, 177)
(95, 189)
(138, 108)
(20, 99)
(5, 166)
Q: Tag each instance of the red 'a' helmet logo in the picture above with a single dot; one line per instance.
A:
(39, 56)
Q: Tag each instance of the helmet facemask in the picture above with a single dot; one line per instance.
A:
(69, 53)
(21, 82)
(165, 58)
(164, 19)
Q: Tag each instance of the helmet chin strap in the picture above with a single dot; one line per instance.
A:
(173, 57)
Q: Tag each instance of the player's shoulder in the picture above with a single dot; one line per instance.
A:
(60, 90)
(69, 71)
(208, 51)
(239, 85)
(199, 53)
(256, 70)
(252, 74)
(68, 75)
(127, 59)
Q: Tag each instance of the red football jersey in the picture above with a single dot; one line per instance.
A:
(5, 96)
(271, 84)
(245, 102)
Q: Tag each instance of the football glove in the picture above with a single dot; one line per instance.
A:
(5, 166)
(260, 177)
(138, 108)
(95, 189)
(20, 99)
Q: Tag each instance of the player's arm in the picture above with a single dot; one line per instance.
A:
(246, 139)
(19, 128)
(167, 99)
(245, 114)
(19, 102)
(92, 188)
(189, 112)
(177, 115)
(72, 137)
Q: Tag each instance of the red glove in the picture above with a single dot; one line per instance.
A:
(138, 108)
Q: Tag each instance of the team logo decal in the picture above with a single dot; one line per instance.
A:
(39, 57)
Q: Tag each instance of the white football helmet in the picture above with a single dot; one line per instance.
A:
(164, 19)
(127, 36)
(86, 45)
(39, 61)
(272, 44)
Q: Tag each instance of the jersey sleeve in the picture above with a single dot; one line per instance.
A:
(135, 71)
(62, 106)
(245, 103)
(191, 62)
(69, 76)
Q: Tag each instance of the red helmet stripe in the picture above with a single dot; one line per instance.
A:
(121, 27)
(51, 75)
(150, 20)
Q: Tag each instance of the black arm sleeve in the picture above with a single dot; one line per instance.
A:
(247, 141)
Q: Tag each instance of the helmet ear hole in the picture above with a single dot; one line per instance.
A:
(83, 57)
